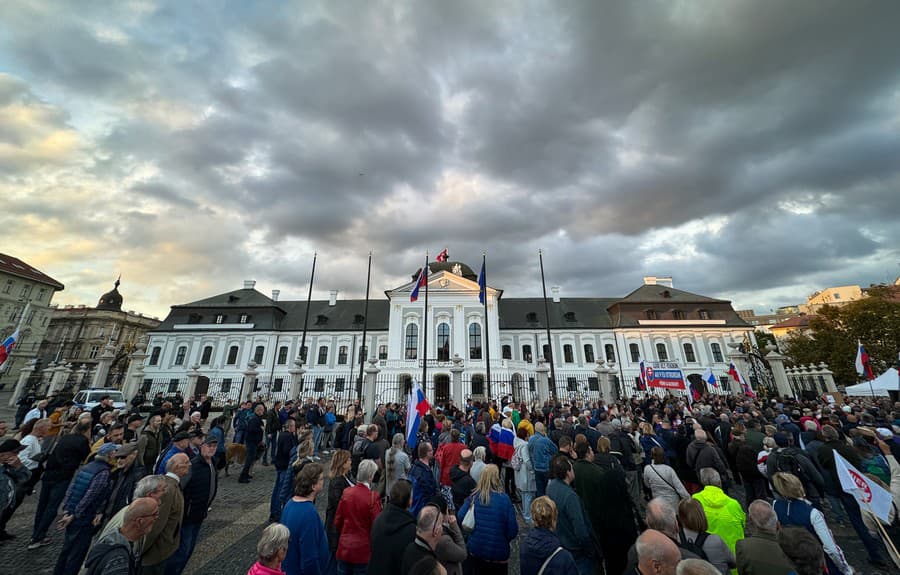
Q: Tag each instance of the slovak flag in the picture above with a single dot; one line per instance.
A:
(416, 408)
(443, 256)
(736, 375)
(863, 365)
(709, 378)
(642, 385)
(7, 346)
(501, 440)
(420, 282)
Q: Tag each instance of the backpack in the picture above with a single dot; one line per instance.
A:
(695, 546)
(357, 453)
(786, 462)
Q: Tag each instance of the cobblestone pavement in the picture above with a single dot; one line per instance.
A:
(227, 544)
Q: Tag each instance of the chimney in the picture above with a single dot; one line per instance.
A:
(249, 284)
(555, 292)
(275, 294)
(332, 297)
(658, 280)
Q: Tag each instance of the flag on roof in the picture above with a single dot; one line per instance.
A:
(7, 346)
(420, 282)
(416, 408)
(863, 364)
(443, 256)
(482, 285)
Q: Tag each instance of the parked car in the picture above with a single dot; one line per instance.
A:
(89, 398)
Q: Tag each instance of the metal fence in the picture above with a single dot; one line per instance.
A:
(169, 387)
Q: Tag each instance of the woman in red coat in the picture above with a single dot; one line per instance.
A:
(356, 512)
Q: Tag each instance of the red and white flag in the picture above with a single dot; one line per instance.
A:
(443, 256)
(869, 494)
(736, 376)
(863, 365)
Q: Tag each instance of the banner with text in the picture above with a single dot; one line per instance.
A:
(665, 375)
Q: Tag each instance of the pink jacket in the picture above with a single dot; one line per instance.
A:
(260, 569)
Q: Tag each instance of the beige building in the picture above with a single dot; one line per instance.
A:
(25, 296)
(835, 296)
(79, 334)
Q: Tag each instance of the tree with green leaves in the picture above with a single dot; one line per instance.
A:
(834, 332)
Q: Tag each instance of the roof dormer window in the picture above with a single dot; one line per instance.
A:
(220, 318)
(244, 318)
(677, 314)
(569, 315)
(651, 314)
(703, 314)
(321, 319)
(666, 294)
(531, 317)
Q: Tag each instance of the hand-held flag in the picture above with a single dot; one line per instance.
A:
(863, 364)
(710, 379)
(501, 440)
(416, 408)
(642, 385)
(736, 375)
(420, 282)
(869, 494)
(7, 346)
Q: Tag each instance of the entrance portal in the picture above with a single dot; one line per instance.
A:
(441, 389)
(202, 386)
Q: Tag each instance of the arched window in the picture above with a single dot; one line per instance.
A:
(207, 355)
(474, 341)
(716, 352)
(282, 355)
(179, 355)
(526, 354)
(507, 351)
(689, 355)
(635, 352)
(443, 342)
(342, 355)
(610, 351)
(232, 355)
(154, 355)
(568, 354)
(258, 354)
(662, 354)
(589, 353)
(412, 341)
(323, 355)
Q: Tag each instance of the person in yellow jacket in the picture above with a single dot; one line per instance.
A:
(724, 514)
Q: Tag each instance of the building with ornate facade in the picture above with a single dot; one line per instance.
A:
(25, 296)
(243, 343)
(79, 335)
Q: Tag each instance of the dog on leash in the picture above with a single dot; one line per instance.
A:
(234, 453)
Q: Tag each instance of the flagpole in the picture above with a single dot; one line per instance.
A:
(362, 356)
(487, 341)
(312, 277)
(547, 319)
(425, 332)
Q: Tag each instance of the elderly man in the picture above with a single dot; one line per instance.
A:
(657, 554)
(180, 443)
(428, 532)
(760, 554)
(153, 486)
(724, 514)
(112, 553)
(83, 509)
(39, 412)
(199, 492)
(163, 540)
(662, 517)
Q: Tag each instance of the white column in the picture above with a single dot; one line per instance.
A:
(19, 390)
(458, 393)
(369, 389)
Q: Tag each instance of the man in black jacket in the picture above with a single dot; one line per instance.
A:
(273, 424)
(284, 444)
(462, 483)
(480, 440)
(199, 493)
(429, 529)
(392, 531)
(65, 457)
(253, 436)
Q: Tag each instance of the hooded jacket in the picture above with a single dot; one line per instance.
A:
(110, 554)
(702, 454)
(462, 485)
(540, 544)
(724, 514)
(353, 520)
(393, 530)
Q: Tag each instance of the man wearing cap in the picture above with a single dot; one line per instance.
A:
(83, 510)
(132, 426)
(180, 442)
(125, 474)
(101, 408)
(12, 475)
(193, 448)
(164, 539)
(199, 490)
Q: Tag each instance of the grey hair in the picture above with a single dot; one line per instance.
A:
(662, 516)
(397, 441)
(148, 485)
(700, 434)
(479, 453)
(366, 472)
(763, 516)
(709, 476)
(274, 538)
(427, 519)
(695, 567)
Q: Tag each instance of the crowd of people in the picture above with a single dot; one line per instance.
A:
(640, 486)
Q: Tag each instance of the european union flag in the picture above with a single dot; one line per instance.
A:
(482, 285)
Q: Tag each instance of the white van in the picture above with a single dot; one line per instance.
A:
(87, 399)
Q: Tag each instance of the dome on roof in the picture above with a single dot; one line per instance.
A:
(457, 268)
(111, 300)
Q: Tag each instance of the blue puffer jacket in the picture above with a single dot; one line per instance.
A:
(495, 527)
(424, 486)
(79, 488)
(538, 545)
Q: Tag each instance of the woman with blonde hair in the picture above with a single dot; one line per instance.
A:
(795, 511)
(495, 524)
(339, 480)
(538, 553)
(649, 440)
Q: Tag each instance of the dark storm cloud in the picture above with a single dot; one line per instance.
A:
(741, 146)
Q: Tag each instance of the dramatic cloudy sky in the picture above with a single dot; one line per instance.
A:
(751, 149)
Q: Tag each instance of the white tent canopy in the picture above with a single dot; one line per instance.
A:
(885, 382)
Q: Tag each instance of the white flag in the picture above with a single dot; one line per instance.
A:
(869, 494)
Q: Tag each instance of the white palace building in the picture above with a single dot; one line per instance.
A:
(244, 343)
